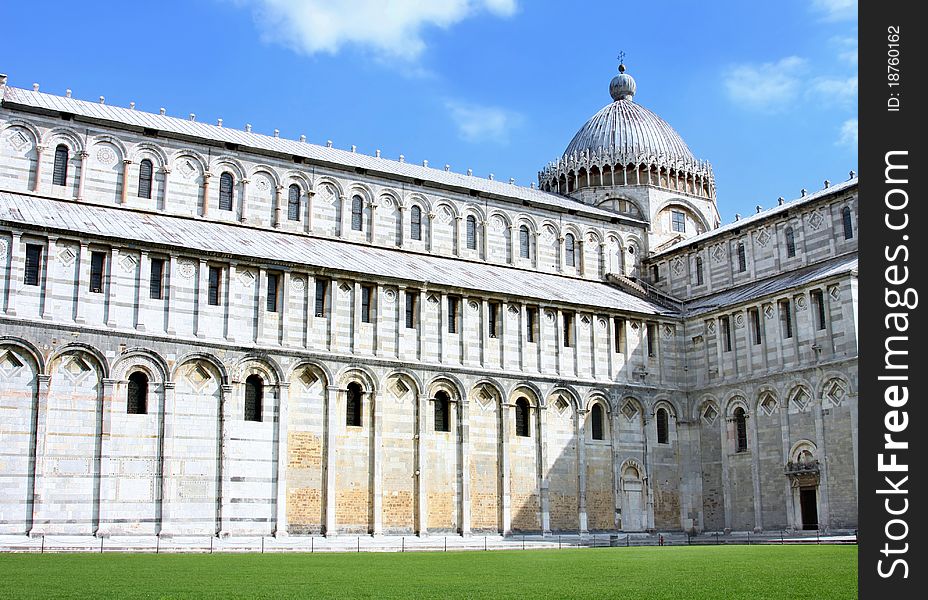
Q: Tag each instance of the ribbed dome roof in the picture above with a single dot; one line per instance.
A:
(632, 132)
(629, 131)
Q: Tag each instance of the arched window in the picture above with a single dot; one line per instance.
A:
(145, 176)
(471, 232)
(742, 258)
(226, 183)
(790, 242)
(741, 430)
(596, 415)
(524, 246)
(442, 412)
(60, 172)
(523, 428)
(357, 213)
(137, 400)
(570, 250)
(699, 271)
(254, 397)
(293, 202)
(353, 406)
(415, 223)
(663, 431)
(848, 226)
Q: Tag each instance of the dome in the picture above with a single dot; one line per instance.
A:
(629, 131)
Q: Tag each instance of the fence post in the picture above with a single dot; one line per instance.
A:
(43, 545)
(558, 541)
(523, 541)
(359, 544)
(101, 544)
(312, 544)
(403, 549)
(446, 543)
(627, 544)
(210, 544)
(484, 543)
(717, 537)
(262, 544)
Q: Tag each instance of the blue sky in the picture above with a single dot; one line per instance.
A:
(766, 91)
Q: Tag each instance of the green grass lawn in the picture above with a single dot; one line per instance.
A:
(717, 572)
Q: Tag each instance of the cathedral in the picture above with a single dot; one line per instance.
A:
(212, 331)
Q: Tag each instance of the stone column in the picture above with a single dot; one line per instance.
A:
(106, 481)
(15, 273)
(164, 191)
(230, 303)
(724, 423)
(309, 210)
(124, 193)
(143, 295)
(49, 275)
(561, 259)
(403, 208)
(283, 458)
(39, 518)
(82, 175)
(277, 192)
(261, 285)
(226, 403)
(513, 244)
(422, 495)
(112, 287)
(755, 472)
(373, 227)
(341, 215)
(83, 267)
(205, 207)
(824, 519)
(243, 212)
(581, 469)
(166, 451)
(39, 149)
(431, 233)
(544, 484)
(464, 429)
(172, 294)
(505, 408)
(376, 460)
(581, 257)
(329, 457)
(283, 298)
(459, 242)
(484, 240)
(202, 297)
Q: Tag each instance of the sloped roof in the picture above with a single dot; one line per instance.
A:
(280, 248)
(343, 159)
(761, 216)
(754, 291)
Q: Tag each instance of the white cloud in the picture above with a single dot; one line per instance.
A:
(767, 86)
(478, 123)
(389, 28)
(835, 92)
(836, 10)
(847, 48)
(849, 134)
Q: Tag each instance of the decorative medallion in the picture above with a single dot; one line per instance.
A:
(106, 156)
(399, 389)
(668, 331)
(835, 392)
(768, 404)
(198, 376)
(75, 367)
(718, 253)
(389, 295)
(800, 302)
(585, 321)
(709, 415)
(186, 268)
(247, 277)
(9, 364)
(768, 311)
(345, 289)
(497, 223)
(445, 215)
(677, 266)
(308, 378)
(635, 325)
(328, 194)
(697, 340)
(18, 141)
(602, 323)
(187, 169)
(513, 311)
(485, 397)
(561, 405)
(128, 262)
(548, 234)
(550, 316)
(386, 201)
(433, 299)
(710, 326)
(592, 239)
(739, 321)
(66, 256)
(298, 283)
(629, 411)
(473, 305)
(263, 184)
(815, 219)
(800, 400)
(763, 236)
(834, 291)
